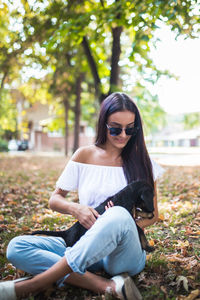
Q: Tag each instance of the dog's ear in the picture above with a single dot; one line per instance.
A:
(147, 199)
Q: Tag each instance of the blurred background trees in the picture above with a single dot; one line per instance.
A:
(70, 55)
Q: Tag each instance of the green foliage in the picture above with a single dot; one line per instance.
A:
(8, 112)
(3, 145)
(154, 117)
(48, 36)
(191, 120)
(36, 90)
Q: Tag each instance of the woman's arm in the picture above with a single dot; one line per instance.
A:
(147, 222)
(84, 214)
(58, 202)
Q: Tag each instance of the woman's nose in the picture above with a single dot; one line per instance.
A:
(123, 133)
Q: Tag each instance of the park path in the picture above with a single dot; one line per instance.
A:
(176, 156)
(169, 156)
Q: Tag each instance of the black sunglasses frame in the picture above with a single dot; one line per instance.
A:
(114, 131)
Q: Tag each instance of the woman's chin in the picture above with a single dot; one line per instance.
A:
(120, 144)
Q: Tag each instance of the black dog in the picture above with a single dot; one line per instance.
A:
(137, 194)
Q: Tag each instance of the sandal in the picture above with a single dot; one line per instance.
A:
(125, 287)
(7, 289)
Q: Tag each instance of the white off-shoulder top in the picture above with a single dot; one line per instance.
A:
(95, 183)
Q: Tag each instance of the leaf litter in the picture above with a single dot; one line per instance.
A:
(171, 272)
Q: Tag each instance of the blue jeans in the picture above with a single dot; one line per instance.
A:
(112, 243)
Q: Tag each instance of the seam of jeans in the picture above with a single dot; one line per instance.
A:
(71, 260)
(125, 231)
(91, 261)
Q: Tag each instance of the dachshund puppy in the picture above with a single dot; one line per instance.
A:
(136, 195)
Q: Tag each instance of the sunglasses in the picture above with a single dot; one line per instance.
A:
(116, 130)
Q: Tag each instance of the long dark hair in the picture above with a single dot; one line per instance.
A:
(136, 161)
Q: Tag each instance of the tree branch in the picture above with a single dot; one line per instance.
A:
(93, 67)
(102, 2)
(116, 51)
(3, 79)
(77, 111)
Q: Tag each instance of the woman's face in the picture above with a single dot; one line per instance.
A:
(122, 119)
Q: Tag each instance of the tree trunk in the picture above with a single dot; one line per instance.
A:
(116, 51)
(77, 112)
(2, 84)
(66, 106)
(93, 67)
(3, 79)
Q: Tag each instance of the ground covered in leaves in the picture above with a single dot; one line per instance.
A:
(171, 272)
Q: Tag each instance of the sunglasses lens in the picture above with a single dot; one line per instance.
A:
(131, 131)
(115, 131)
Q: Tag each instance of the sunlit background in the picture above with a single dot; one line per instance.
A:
(32, 112)
(182, 58)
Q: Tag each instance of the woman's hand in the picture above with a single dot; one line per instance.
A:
(86, 215)
(109, 204)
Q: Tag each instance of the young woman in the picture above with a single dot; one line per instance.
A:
(111, 243)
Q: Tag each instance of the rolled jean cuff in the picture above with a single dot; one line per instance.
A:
(72, 261)
(60, 282)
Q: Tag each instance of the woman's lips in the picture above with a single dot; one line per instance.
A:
(121, 141)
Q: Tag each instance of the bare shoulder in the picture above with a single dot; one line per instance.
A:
(84, 154)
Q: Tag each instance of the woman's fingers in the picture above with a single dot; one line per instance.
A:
(95, 213)
(88, 215)
(88, 224)
(90, 218)
(109, 204)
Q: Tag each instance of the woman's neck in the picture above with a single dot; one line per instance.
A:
(111, 153)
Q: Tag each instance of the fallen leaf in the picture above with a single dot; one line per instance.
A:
(161, 218)
(11, 203)
(3, 226)
(9, 277)
(191, 277)
(11, 225)
(9, 197)
(182, 280)
(10, 267)
(184, 252)
(149, 256)
(182, 244)
(151, 242)
(193, 295)
(173, 230)
(188, 262)
(164, 290)
(191, 264)
(25, 228)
